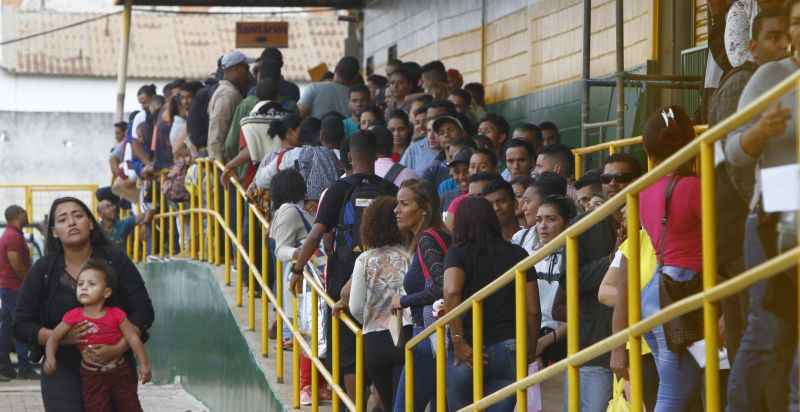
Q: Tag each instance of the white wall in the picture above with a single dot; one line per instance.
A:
(27, 93)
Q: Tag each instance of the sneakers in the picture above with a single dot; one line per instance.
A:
(325, 395)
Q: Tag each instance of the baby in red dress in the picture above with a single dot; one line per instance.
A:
(111, 386)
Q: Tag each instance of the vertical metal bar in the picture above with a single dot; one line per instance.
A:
(183, 235)
(477, 350)
(201, 239)
(171, 250)
(578, 163)
(217, 229)
(251, 284)
(655, 35)
(620, 26)
(239, 260)
(585, 75)
(209, 221)
(441, 367)
(360, 398)
(122, 67)
(137, 232)
(710, 315)
(191, 237)
(154, 190)
(520, 282)
(336, 372)
(612, 150)
(227, 242)
(129, 240)
(162, 209)
(409, 378)
(295, 354)
(797, 217)
(264, 325)
(314, 350)
(573, 345)
(634, 302)
(649, 164)
(29, 203)
(279, 322)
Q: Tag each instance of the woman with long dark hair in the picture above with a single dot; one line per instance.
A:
(418, 218)
(48, 292)
(478, 256)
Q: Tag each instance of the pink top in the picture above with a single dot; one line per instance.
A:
(683, 245)
(104, 330)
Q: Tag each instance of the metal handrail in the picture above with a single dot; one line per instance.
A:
(703, 145)
(210, 170)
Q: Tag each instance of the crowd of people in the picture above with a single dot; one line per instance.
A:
(415, 196)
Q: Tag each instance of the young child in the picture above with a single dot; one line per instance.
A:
(109, 386)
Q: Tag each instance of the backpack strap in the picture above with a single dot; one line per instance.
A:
(665, 219)
(394, 172)
(305, 221)
(439, 241)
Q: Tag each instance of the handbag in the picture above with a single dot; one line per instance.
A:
(618, 403)
(686, 329)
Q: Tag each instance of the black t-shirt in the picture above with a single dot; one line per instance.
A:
(328, 214)
(481, 267)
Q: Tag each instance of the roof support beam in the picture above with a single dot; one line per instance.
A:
(122, 68)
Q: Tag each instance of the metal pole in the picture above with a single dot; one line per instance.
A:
(620, 70)
(587, 34)
(122, 68)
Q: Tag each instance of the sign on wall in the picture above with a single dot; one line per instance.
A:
(258, 35)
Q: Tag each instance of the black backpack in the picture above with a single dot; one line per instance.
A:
(363, 190)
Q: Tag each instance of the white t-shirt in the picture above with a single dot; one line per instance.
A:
(548, 271)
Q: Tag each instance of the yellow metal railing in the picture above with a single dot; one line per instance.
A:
(704, 146)
(613, 147)
(36, 199)
(211, 230)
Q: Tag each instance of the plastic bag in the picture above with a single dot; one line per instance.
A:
(305, 310)
(618, 403)
(534, 393)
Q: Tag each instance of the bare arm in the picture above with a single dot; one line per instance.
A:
(51, 347)
(619, 321)
(18, 264)
(533, 318)
(453, 296)
(304, 110)
(131, 334)
(310, 245)
(607, 294)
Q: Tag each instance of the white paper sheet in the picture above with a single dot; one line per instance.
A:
(698, 351)
(396, 327)
(780, 187)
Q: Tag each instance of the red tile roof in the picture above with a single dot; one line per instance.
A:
(163, 46)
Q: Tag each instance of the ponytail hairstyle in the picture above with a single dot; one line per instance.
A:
(667, 131)
(147, 90)
(279, 127)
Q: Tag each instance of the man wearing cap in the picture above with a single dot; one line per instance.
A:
(447, 129)
(459, 171)
(235, 82)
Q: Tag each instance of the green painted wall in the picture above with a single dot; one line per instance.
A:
(195, 337)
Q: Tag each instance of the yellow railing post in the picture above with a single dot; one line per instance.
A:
(477, 350)
(573, 344)
(710, 316)
(521, 337)
(295, 353)
(408, 369)
(201, 239)
(239, 234)
(227, 242)
(360, 397)
(29, 203)
(137, 233)
(314, 350)
(634, 302)
(251, 287)
(612, 150)
(154, 190)
(217, 229)
(578, 166)
(210, 222)
(334, 353)
(192, 237)
(183, 235)
(441, 367)
(264, 302)
(171, 242)
(279, 321)
(162, 209)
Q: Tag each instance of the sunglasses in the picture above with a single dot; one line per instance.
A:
(618, 178)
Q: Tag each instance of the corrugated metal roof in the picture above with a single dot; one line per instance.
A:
(339, 4)
(163, 46)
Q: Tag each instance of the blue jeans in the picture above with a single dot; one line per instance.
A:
(424, 378)
(760, 373)
(596, 384)
(8, 299)
(498, 372)
(679, 375)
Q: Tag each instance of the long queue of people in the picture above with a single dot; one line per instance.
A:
(416, 197)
